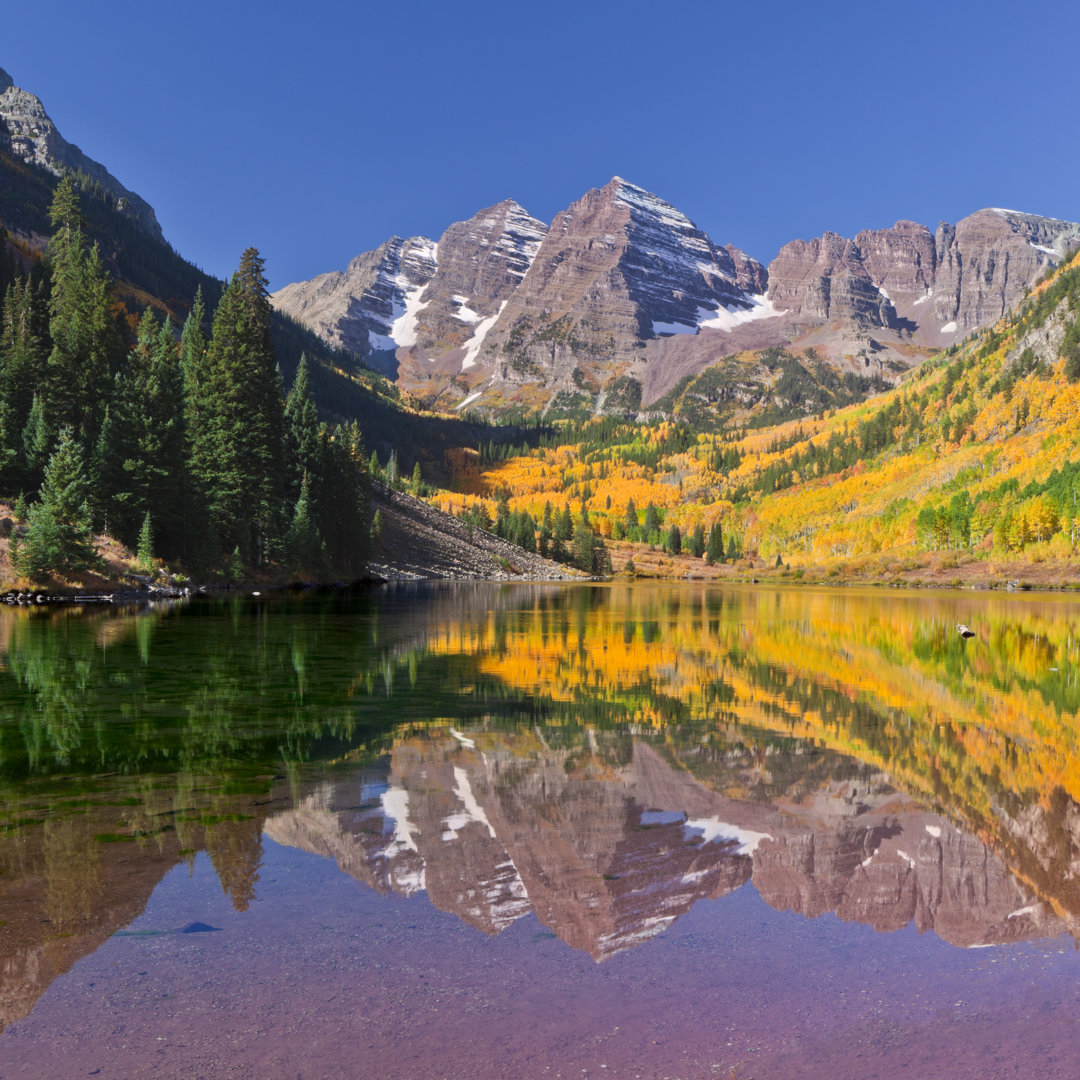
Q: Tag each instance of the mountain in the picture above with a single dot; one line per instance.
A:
(623, 298)
(28, 134)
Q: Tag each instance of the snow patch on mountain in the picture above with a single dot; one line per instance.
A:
(520, 239)
(472, 349)
(400, 283)
(725, 317)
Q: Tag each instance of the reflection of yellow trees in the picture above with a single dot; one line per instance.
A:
(884, 678)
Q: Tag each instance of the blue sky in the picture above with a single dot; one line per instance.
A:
(315, 131)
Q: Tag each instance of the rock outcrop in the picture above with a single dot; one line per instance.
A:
(33, 137)
(825, 279)
(931, 289)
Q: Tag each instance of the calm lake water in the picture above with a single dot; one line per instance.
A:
(478, 831)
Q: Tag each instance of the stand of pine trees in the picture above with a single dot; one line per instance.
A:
(144, 433)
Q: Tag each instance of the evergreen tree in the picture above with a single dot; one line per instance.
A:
(37, 442)
(304, 549)
(239, 458)
(145, 552)
(674, 540)
(23, 351)
(139, 459)
(86, 344)
(695, 544)
(651, 525)
(630, 521)
(59, 537)
(714, 550)
(342, 499)
(583, 551)
(302, 430)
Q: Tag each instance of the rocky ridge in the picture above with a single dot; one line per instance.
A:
(623, 295)
(32, 136)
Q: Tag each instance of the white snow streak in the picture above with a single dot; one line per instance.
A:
(472, 350)
(473, 810)
(469, 400)
(395, 804)
(710, 829)
(724, 318)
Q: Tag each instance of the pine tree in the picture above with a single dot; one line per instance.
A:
(239, 462)
(59, 535)
(695, 544)
(86, 344)
(714, 550)
(651, 525)
(301, 430)
(23, 351)
(145, 553)
(674, 540)
(37, 443)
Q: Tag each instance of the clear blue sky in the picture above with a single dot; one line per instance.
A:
(316, 130)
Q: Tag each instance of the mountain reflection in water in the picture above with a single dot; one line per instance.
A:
(602, 756)
(609, 852)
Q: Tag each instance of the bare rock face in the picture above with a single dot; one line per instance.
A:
(750, 274)
(929, 289)
(901, 262)
(618, 268)
(32, 137)
(826, 279)
(481, 262)
(370, 306)
(418, 295)
(988, 260)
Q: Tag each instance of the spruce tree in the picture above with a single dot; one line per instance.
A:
(674, 540)
(304, 549)
(59, 535)
(651, 525)
(714, 550)
(37, 442)
(86, 344)
(145, 552)
(695, 544)
(23, 351)
(240, 459)
(301, 430)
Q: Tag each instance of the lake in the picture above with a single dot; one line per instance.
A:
(470, 830)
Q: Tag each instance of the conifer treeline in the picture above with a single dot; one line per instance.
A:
(186, 439)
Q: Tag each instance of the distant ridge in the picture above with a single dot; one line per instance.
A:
(623, 297)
